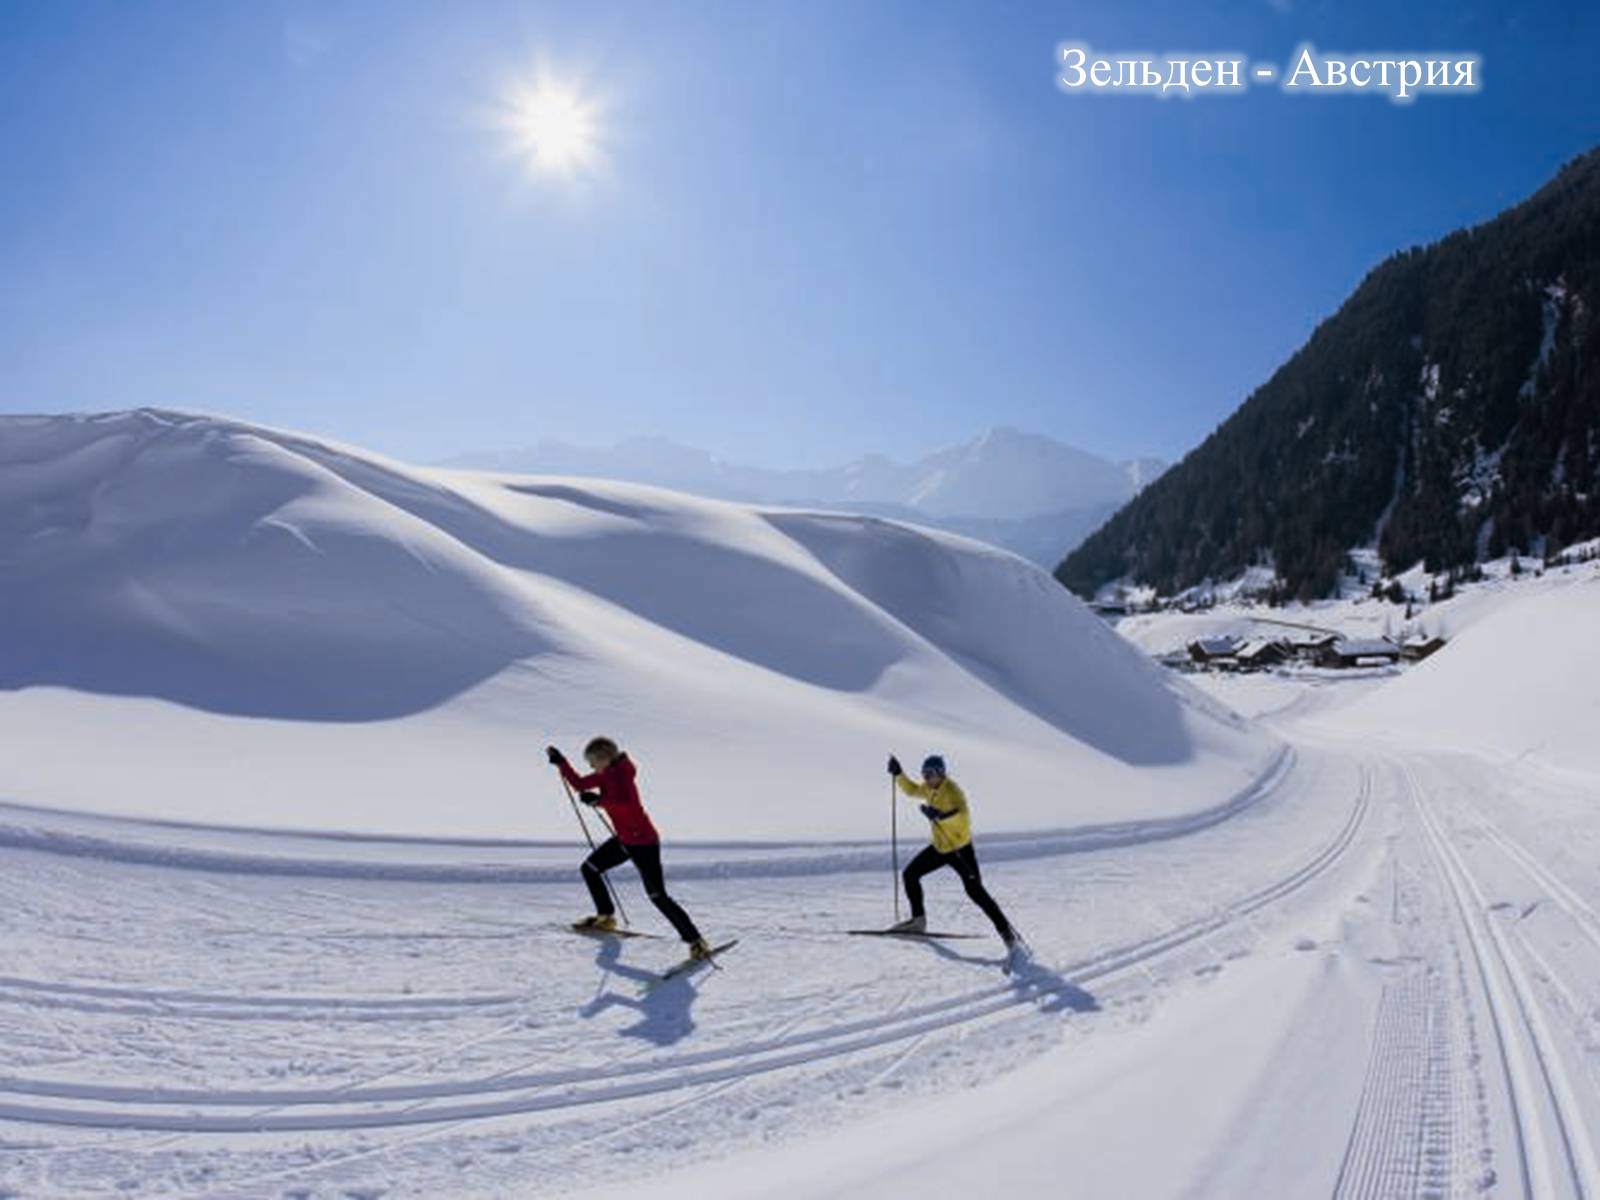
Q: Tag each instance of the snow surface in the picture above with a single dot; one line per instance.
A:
(1376, 977)
(1521, 683)
(1359, 957)
(1359, 614)
(260, 629)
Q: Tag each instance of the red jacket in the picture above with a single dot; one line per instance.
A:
(619, 799)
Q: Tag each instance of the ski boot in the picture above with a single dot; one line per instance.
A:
(1018, 954)
(911, 925)
(598, 923)
(700, 950)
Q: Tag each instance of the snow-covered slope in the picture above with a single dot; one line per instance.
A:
(209, 621)
(1517, 684)
(1009, 473)
(1024, 491)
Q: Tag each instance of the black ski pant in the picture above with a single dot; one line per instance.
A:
(965, 864)
(612, 853)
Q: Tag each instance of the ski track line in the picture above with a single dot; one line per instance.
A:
(998, 847)
(512, 1092)
(1535, 1077)
(420, 1061)
(1361, 1172)
(1005, 847)
(1568, 901)
(1583, 917)
(88, 997)
(339, 1161)
(1401, 1141)
(568, 1152)
(899, 1060)
(1403, 1137)
(1565, 901)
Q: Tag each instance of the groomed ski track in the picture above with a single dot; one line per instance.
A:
(518, 1091)
(311, 1033)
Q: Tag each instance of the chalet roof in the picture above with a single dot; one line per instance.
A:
(1365, 648)
(1217, 646)
(1260, 646)
(1311, 639)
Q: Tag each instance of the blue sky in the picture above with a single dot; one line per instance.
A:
(821, 228)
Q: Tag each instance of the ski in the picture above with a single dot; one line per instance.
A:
(689, 964)
(906, 933)
(611, 933)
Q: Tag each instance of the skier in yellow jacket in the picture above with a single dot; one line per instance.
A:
(945, 806)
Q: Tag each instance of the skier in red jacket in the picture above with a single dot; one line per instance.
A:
(611, 788)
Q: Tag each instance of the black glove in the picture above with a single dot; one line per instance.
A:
(589, 798)
(932, 813)
(894, 766)
(555, 756)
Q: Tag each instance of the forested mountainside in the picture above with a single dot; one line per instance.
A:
(1449, 411)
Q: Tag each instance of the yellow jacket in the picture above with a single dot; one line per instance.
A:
(951, 832)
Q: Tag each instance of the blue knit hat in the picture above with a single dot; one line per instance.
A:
(934, 762)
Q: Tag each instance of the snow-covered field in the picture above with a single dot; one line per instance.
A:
(1348, 946)
(1378, 977)
(259, 629)
(1521, 684)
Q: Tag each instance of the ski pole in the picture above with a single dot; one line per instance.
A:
(588, 837)
(894, 847)
(578, 812)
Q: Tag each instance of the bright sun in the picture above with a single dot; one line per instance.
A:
(553, 127)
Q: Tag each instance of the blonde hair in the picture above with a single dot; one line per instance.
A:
(601, 747)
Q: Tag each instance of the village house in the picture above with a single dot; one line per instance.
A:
(1259, 655)
(1208, 651)
(1418, 649)
(1309, 647)
(1359, 652)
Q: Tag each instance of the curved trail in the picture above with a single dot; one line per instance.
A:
(324, 856)
(200, 1008)
(519, 1091)
(178, 1025)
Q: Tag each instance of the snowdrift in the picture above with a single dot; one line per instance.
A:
(207, 621)
(1522, 682)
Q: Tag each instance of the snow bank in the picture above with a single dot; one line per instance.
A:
(207, 621)
(1522, 681)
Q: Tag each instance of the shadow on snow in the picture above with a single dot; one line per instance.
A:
(663, 1008)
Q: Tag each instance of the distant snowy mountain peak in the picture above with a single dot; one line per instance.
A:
(1008, 474)
(1024, 491)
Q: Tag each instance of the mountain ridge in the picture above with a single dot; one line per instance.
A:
(1027, 492)
(1448, 411)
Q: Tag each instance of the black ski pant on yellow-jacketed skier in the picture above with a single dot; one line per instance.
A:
(945, 806)
(965, 864)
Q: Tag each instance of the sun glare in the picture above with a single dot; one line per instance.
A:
(554, 128)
